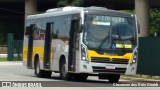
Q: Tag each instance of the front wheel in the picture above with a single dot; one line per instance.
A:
(114, 78)
(80, 77)
(63, 71)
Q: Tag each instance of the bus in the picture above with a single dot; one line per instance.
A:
(81, 41)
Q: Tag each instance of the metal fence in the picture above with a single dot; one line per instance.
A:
(14, 48)
(17, 51)
(18, 48)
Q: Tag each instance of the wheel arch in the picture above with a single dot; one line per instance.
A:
(62, 59)
(36, 58)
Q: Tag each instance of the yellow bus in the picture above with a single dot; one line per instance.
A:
(81, 41)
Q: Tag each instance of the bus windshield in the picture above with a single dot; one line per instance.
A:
(109, 32)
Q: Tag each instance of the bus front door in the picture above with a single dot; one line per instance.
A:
(72, 45)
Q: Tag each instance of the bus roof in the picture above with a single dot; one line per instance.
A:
(73, 10)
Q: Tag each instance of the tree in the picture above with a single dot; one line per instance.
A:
(63, 3)
(154, 22)
(1, 39)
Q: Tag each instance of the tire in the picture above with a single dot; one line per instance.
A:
(41, 73)
(63, 71)
(114, 78)
(80, 77)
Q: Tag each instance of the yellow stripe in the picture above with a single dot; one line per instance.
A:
(36, 50)
(92, 53)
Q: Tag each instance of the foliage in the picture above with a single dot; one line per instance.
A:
(154, 22)
(3, 59)
(1, 39)
(63, 3)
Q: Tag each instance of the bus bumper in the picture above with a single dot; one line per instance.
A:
(93, 68)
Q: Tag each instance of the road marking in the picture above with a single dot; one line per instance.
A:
(10, 63)
(24, 78)
(9, 75)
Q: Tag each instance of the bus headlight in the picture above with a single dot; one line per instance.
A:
(83, 53)
(135, 56)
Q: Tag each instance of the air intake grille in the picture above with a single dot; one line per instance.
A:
(107, 60)
(104, 70)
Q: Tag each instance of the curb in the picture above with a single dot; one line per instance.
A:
(138, 79)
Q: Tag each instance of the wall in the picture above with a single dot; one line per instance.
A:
(149, 56)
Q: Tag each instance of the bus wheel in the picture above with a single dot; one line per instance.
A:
(80, 77)
(41, 73)
(63, 72)
(114, 78)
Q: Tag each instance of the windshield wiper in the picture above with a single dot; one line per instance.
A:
(126, 37)
(117, 37)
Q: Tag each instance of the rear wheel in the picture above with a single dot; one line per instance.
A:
(41, 73)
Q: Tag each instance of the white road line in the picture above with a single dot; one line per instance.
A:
(10, 75)
(26, 78)
(10, 63)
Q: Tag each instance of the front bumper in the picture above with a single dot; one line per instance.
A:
(94, 68)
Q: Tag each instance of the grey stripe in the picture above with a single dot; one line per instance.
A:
(38, 43)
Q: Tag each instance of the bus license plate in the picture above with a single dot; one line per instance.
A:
(110, 67)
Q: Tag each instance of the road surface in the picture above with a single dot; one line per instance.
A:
(15, 71)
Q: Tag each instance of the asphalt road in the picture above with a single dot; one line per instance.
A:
(15, 71)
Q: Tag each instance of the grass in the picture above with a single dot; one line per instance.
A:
(143, 76)
(3, 59)
(15, 58)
